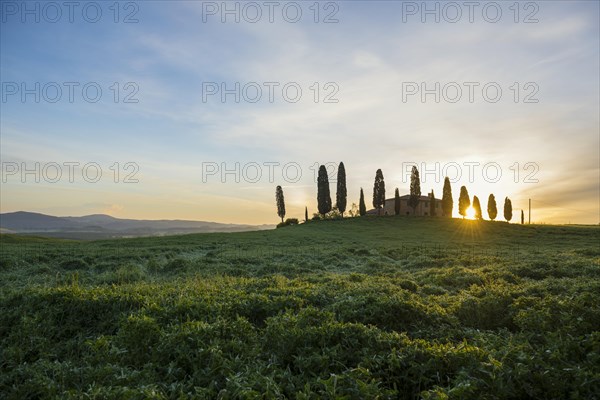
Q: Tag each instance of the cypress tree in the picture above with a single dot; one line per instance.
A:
(379, 191)
(477, 208)
(447, 202)
(280, 202)
(491, 208)
(362, 208)
(397, 202)
(323, 196)
(305, 214)
(463, 201)
(432, 212)
(507, 209)
(415, 189)
(522, 217)
(341, 194)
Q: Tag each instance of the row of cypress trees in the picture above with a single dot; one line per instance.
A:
(464, 203)
(323, 194)
(324, 203)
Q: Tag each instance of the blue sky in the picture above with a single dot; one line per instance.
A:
(370, 55)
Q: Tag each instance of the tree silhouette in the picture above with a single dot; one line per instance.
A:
(491, 208)
(522, 217)
(477, 208)
(397, 202)
(379, 191)
(362, 208)
(447, 202)
(341, 193)
(323, 196)
(507, 209)
(432, 212)
(463, 201)
(305, 214)
(415, 189)
(280, 202)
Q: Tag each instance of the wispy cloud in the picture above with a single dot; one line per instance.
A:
(369, 55)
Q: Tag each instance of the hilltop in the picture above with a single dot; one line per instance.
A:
(352, 242)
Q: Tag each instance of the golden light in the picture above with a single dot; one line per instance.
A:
(470, 213)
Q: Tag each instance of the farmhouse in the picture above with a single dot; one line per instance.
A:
(421, 210)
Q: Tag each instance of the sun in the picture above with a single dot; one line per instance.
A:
(470, 213)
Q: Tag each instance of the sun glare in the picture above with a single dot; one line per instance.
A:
(470, 213)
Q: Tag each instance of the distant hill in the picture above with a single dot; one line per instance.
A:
(99, 226)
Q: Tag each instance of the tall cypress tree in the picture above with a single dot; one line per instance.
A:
(464, 201)
(341, 193)
(379, 191)
(507, 209)
(491, 208)
(280, 202)
(432, 212)
(362, 208)
(415, 189)
(323, 196)
(397, 202)
(305, 214)
(522, 217)
(447, 202)
(477, 208)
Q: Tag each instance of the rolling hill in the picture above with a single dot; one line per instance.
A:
(100, 226)
(360, 308)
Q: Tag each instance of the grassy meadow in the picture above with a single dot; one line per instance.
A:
(361, 308)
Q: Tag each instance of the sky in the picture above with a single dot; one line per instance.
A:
(198, 110)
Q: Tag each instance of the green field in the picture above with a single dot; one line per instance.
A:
(362, 308)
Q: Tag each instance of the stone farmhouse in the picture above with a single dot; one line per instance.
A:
(422, 209)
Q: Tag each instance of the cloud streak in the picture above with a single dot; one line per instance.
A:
(369, 55)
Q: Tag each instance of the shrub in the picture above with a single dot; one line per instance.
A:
(333, 214)
(288, 222)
